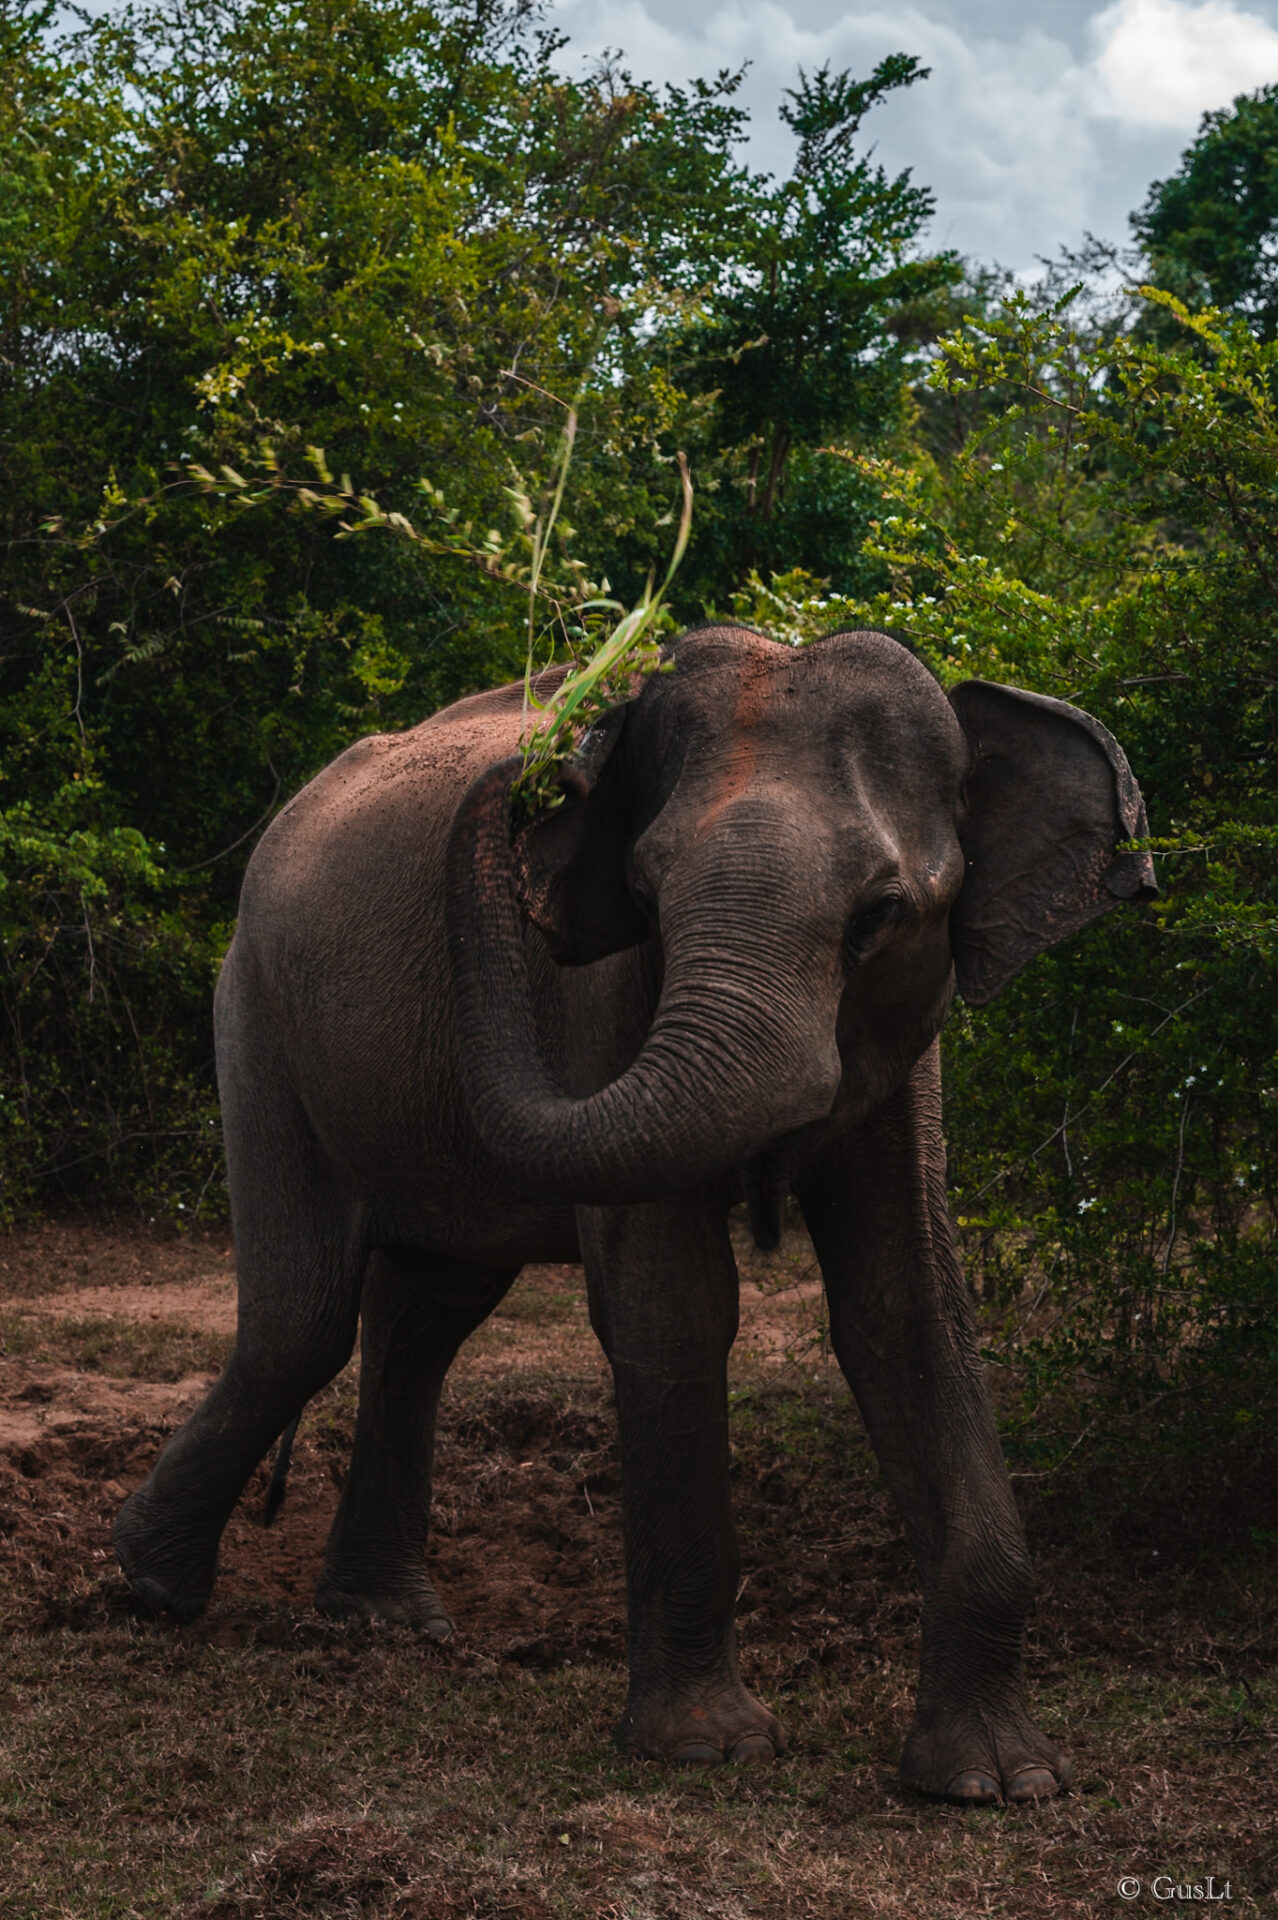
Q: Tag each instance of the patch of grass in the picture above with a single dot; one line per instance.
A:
(19, 1336)
(538, 1303)
(263, 1764)
(352, 1771)
(160, 1350)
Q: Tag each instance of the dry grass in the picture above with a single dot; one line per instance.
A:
(132, 1350)
(265, 1763)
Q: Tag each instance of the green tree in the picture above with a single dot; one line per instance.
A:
(383, 227)
(1210, 231)
(806, 339)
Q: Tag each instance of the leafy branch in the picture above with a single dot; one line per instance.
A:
(607, 654)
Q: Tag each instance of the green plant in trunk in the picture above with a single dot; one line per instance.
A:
(600, 674)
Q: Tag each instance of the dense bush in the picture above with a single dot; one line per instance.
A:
(1108, 533)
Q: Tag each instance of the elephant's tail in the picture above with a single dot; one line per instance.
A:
(279, 1472)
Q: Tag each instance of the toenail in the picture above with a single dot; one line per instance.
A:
(753, 1746)
(975, 1789)
(1032, 1783)
(696, 1753)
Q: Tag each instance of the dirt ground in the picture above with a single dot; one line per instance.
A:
(262, 1761)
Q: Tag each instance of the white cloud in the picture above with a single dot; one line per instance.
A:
(1025, 140)
(998, 131)
(1163, 63)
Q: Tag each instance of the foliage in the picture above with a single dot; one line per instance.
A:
(806, 339)
(232, 232)
(605, 668)
(1209, 230)
(93, 949)
(794, 607)
(1109, 534)
(605, 658)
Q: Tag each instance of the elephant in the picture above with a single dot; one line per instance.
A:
(448, 1045)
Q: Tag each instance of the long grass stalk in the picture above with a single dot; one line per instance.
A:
(598, 682)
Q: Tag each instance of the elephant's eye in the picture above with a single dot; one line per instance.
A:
(864, 927)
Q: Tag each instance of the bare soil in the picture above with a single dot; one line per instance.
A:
(83, 1436)
(264, 1762)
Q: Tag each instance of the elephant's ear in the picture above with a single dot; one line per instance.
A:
(570, 862)
(1049, 798)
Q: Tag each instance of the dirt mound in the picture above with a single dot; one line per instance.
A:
(54, 1415)
(114, 1333)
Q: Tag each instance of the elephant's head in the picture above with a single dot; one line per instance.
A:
(819, 844)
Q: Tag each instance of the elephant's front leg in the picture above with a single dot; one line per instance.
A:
(663, 1300)
(901, 1325)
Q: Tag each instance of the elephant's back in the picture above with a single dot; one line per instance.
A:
(339, 967)
(372, 827)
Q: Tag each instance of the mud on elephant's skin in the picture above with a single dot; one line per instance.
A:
(719, 966)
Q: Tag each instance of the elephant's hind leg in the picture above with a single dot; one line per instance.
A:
(414, 1315)
(301, 1253)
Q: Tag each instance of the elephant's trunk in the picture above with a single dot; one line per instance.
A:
(741, 1049)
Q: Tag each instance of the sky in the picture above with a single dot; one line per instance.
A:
(1041, 120)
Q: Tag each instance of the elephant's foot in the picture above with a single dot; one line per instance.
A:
(408, 1601)
(170, 1564)
(983, 1758)
(723, 1723)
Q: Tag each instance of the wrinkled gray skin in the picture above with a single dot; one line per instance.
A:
(720, 967)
